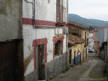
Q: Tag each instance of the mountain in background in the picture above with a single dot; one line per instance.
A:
(87, 22)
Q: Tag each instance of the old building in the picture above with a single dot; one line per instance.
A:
(78, 43)
(99, 39)
(33, 41)
(105, 44)
(96, 42)
(104, 48)
(11, 44)
(85, 36)
(91, 42)
(44, 33)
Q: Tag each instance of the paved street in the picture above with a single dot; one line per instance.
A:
(92, 70)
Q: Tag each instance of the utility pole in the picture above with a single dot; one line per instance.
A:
(107, 56)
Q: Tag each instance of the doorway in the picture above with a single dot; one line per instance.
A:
(41, 62)
(11, 61)
(40, 58)
(70, 56)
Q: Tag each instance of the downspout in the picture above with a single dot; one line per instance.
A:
(33, 11)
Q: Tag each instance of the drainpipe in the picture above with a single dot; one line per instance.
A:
(33, 10)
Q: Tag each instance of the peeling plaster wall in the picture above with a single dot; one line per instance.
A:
(10, 17)
(45, 10)
(31, 34)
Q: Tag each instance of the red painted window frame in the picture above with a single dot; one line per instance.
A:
(35, 44)
(55, 40)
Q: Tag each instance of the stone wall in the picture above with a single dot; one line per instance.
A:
(57, 66)
(10, 19)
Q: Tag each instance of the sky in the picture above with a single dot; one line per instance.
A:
(92, 9)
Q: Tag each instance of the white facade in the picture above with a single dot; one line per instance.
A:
(45, 10)
(31, 34)
(105, 35)
(91, 42)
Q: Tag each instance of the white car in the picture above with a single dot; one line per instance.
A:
(91, 50)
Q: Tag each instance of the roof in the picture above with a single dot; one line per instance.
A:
(72, 23)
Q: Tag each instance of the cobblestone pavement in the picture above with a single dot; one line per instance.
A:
(91, 70)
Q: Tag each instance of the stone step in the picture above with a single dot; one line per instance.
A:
(41, 80)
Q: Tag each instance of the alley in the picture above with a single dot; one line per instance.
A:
(91, 70)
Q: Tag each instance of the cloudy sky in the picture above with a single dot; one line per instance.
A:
(96, 9)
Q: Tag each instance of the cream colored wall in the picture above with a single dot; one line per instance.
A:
(77, 47)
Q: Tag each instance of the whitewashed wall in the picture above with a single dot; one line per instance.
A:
(44, 10)
(31, 34)
(91, 41)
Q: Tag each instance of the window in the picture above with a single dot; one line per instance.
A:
(58, 48)
(58, 45)
(59, 10)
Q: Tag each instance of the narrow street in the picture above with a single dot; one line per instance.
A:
(53, 40)
(91, 70)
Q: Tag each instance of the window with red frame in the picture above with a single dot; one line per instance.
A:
(58, 45)
(59, 10)
(58, 48)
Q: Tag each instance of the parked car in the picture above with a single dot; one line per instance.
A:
(91, 50)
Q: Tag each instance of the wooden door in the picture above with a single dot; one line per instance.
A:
(41, 62)
(70, 56)
(11, 68)
(8, 54)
